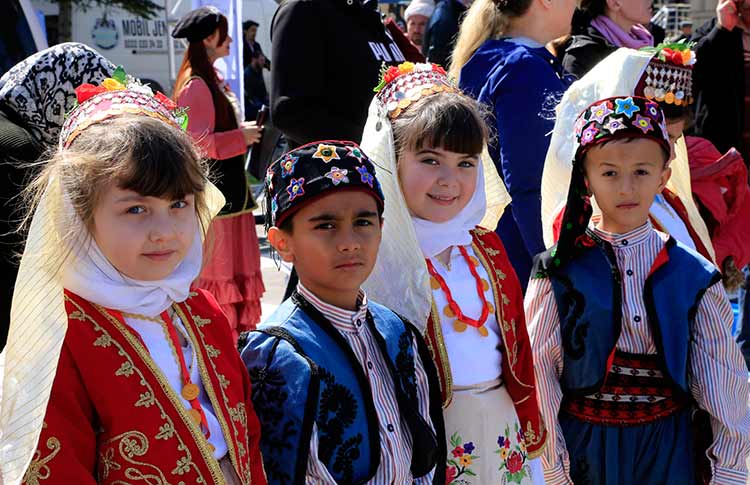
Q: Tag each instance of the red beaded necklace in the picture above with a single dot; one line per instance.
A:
(486, 307)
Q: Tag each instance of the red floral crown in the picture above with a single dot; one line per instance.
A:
(118, 95)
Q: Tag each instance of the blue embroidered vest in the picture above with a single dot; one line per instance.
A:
(303, 372)
(589, 300)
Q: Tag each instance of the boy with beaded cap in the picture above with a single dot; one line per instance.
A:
(345, 388)
(625, 345)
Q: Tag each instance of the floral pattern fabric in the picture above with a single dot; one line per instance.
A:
(485, 441)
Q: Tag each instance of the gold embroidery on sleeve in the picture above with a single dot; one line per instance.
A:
(38, 469)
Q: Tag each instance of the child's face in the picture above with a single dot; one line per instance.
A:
(145, 238)
(624, 177)
(437, 183)
(333, 243)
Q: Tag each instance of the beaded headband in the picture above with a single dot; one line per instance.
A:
(121, 94)
(403, 85)
(668, 78)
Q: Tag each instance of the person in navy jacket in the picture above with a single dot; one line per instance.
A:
(521, 82)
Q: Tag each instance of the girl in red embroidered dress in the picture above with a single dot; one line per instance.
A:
(125, 372)
(475, 324)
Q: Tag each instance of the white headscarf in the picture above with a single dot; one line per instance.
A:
(400, 279)
(617, 75)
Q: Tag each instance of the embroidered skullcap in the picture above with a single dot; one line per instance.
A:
(419, 7)
(312, 170)
(197, 24)
(668, 78)
(604, 121)
(402, 85)
(620, 117)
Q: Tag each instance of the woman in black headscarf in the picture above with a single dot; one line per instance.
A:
(35, 95)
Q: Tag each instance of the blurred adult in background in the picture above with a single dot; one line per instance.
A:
(442, 30)
(327, 56)
(251, 48)
(600, 27)
(501, 59)
(417, 15)
(35, 95)
(722, 78)
(256, 94)
(233, 273)
(686, 31)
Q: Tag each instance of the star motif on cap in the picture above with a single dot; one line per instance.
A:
(355, 152)
(626, 106)
(365, 176)
(600, 112)
(338, 175)
(589, 134)
(326, 153)
(614, 124)
(287, 165)
(644, 124)
(295, 188)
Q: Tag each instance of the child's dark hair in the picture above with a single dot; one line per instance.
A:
(136, 153)
(452, 121)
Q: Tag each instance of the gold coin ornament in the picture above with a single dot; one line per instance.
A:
(485, 285)
(459, 326)
(211, 447)
(190, 391)
(448, 312)
(491, 308)
(434, 283)
(483, 331)
(195, 415)
(474, 261)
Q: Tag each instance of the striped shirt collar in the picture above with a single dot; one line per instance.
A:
(629, 239)
(342, 319)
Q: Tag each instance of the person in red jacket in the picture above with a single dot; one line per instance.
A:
(115, 367)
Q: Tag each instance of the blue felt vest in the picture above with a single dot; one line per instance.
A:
(589, 301)
(303, 371)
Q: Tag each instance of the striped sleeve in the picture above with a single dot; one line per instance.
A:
(544, 331)
(423, 396)
(720, 386)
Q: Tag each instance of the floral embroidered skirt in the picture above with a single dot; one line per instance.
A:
(485, 441)
(232, 274)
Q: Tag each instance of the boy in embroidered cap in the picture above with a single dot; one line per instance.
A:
(345, 389)
(625, 345)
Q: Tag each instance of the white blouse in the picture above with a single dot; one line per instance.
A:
(473, 358)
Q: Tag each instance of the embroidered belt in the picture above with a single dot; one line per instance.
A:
(635, 392)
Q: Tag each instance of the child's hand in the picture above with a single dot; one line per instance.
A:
(251, 132)
(727, 15)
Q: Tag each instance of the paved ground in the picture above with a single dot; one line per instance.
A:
(274, 276)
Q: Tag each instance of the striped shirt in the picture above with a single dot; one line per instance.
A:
(717, 372)
(395, 439)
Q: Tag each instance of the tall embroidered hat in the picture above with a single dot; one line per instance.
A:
(118, 95)
(406, 83)
(668, 78)
(310, 171)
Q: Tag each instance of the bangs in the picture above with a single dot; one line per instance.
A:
(450, 121)
(164, 164)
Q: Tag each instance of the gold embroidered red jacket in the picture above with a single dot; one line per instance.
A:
(113, 418)
(518, 366)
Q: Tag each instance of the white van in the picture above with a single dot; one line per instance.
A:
(139, 44)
